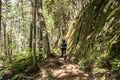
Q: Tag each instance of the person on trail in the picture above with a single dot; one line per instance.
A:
(63, 48)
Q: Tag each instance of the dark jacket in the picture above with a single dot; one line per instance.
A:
(63, 44)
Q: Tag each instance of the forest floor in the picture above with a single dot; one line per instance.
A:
(58, 69)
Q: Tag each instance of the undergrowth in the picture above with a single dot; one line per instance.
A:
(22, 65)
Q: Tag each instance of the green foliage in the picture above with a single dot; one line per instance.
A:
(16, 21)
(2, 58)
(103, 78)
(82, 65)
(18, 76)
(40, 55)
(49, 74)
(22, 65)
(1, 74)
(103, 63)
(116, 65)
(86, 64)
(72, 59)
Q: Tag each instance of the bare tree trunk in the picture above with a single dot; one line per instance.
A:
(32, 43)
(39, 39)
(43, 29)
(31, 34)
(34, 37)
(0, 23)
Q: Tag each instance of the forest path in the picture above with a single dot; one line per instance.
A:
(58, 69)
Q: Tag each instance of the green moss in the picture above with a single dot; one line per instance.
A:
(96, 30)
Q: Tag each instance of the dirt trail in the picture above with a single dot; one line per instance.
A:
(58, 69)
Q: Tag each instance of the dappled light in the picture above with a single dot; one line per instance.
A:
(59, 39)
(57, 68)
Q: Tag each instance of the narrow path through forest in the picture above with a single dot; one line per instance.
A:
(58, 69)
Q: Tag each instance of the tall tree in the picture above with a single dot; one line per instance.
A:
(34, 37)
(7, 29)
(31, 31)
(32, 43)
(43, 29)
(31, 27)
(0, 22)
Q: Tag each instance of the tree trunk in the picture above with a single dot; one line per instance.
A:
(31, 34)
(34, 37)
(5, 42)
(32, 43)
(0, 23)
(43, 29)
(39, 39)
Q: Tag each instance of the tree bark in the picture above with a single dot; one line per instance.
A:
(5, 42)
(0, 22)
(31, 34)
(34, 37)
(43, 29)
(32, 43)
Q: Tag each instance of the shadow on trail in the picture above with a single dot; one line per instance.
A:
(58, 69)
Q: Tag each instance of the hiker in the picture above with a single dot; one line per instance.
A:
(63, 48)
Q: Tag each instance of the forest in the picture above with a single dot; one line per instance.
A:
(32, 32)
